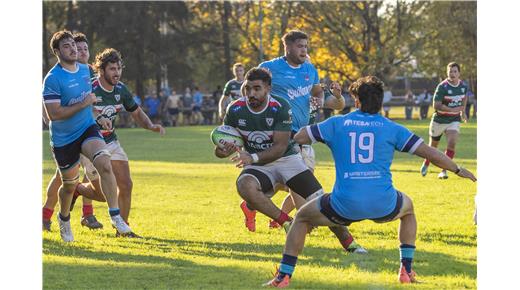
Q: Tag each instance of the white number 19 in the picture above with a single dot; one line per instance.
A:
(362, 145)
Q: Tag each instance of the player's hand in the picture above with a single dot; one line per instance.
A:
(463, 116)
(228, 149)
(104, 123)
(89, 100)
(464, 173)
(242, 159)
(158, 128)
(336, 89)
(316, 102)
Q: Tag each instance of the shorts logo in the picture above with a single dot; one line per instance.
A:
(118, 97)
(269, 121)
(241, 122)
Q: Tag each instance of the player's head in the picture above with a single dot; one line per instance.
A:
(257, 86)
(109, 65)
(368, 94)
(82, 45)
(63, 46)
(453, 71)
(239, 70)
(295, 43)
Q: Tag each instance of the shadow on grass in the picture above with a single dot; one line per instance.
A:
(154, 272)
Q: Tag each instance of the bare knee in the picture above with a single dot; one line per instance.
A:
(103, 166)
(68, 188)
(246, 185)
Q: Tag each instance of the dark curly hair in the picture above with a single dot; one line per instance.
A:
(106, 56)
(369, 91)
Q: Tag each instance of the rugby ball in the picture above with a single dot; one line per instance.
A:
(226, 133)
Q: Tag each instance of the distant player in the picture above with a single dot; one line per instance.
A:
(362, 144)
(68, 99)
(88, 218)
(112, 97)
(449, 102)
(231, 89)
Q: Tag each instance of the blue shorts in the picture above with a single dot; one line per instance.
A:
(327, 210)
(67, 156)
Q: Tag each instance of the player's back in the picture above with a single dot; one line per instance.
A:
(68, 88)
(363, 148)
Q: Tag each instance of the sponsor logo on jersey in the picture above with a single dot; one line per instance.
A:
(350, 122)
(259, 140)
(269, 121)
(241, 122)
(299, 92)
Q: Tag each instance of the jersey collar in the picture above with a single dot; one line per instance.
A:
(101, 86)
(293, 67)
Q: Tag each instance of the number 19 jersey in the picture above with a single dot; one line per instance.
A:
(363, 148)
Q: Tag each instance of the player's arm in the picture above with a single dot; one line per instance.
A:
(55, 111)
(226, 93)
(439, 106)
(463, 112)
(280, 143)
(336, 101)
(44, 115)
(302, 136)
(441, 160)
(144, 121)
(229, 148)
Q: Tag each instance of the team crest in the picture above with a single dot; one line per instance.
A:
(269, 121)
(463, 89)
(449, 91)
(118, 97)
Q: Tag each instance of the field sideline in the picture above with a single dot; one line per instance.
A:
(186, 206)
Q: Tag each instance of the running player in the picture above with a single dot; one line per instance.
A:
(88, 218)
(231, 89)
(363, 145)
(449, 102)
(270, 157)
(112, 97)
(68, 99)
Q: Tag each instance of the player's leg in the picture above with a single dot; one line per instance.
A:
(452, 136)
(94, 148)
(256, 187)
(404, 211)
(436, 130)
(51, 200)
(69, 179)
(310, 215)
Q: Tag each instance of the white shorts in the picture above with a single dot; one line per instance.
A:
(116, 151)
(279, 171)
(437, 129)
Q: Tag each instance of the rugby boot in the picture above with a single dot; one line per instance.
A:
(249, 216)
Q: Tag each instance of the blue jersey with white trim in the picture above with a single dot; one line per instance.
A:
(363, 148)
(68, 88)
(294, 85)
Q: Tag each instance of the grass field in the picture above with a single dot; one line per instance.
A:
(186, 208)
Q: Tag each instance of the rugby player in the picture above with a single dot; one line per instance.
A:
(362, 145)
(231, 89)
(68, 99)
(449, 102)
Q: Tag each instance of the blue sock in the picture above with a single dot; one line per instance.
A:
(287, 266)
(113, 211)
(407, 252)
(65, 219)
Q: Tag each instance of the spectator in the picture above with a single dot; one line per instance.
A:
(197, 104)
(409, 104)
(216, 94)
(471, 101)
(424, 101)
(153, 105)
(137, 100)
(172, 106)
(387, 97)
(208, 110)
(187, 102)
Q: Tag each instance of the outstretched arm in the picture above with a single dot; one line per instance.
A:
(142, 119)
(337, 101)
(439, 159)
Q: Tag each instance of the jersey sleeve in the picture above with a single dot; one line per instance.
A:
(51, 90)
(405, 140)
(229, 118)
(128, 100)
(439, 94)
(227, 89)
(322, 132)
(316, 76)
(91, 72)
(283, 120)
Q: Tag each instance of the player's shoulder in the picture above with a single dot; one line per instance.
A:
(95, 84)
(276, 101)
(238, 103)
(272, 63)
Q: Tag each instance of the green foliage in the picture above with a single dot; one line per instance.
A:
(186, 208)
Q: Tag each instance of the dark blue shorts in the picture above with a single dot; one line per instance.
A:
(67, 156)
(327, 210)
(196, 109)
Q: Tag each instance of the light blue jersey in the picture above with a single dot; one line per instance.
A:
(293, 84)
(68, 88)
(363, 148)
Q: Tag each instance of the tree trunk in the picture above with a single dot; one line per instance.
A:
(45, 40)
(225, 39)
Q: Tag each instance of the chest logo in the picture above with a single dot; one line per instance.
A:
(463, 89)
(449, 91)
(242, 122)
(118, 97)
(269, 121)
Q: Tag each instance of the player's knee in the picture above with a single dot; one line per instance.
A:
(407, 205)
(246, 184)
(103, 166)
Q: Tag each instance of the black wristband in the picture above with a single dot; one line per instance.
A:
(458, 169)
